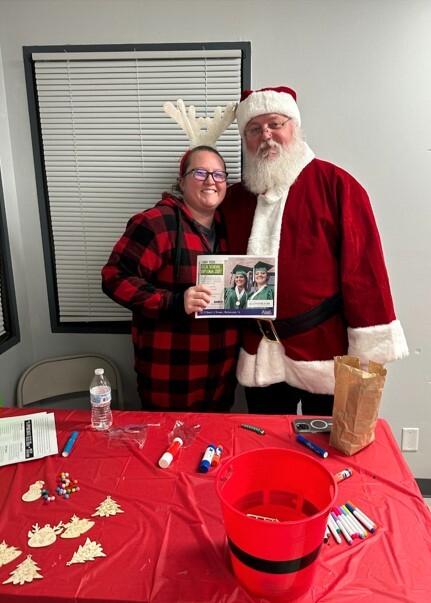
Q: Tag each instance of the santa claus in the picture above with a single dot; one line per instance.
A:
(333, 292)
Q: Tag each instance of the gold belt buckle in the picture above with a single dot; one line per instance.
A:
(268, 330)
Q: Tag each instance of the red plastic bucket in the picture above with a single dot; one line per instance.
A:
(275, 558)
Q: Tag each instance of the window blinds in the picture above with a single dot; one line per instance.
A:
(109, 151)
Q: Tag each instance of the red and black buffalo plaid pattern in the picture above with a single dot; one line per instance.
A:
(182, 363)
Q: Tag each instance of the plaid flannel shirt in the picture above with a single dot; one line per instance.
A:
(182, 363)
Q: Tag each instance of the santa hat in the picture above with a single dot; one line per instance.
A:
(267, 100)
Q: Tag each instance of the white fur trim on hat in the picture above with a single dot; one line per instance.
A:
(263, 102)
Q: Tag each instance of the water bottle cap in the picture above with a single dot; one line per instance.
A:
(99, 371)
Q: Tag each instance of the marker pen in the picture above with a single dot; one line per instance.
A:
(171, 451)
(332, 522)
(205, 463)
(354, 522)
(345, 521)
(312, 446)
(69, 444)
(334, 530)
(363, 521)
(341, 525)
(216, 458)
(357, 532)
(366, 521)
(343, 474)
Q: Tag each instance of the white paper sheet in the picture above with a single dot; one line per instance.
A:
(27, 437)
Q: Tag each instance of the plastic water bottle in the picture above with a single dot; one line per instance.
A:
(100, 396)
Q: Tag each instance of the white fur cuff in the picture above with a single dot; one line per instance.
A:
(381, 343)
(271, 365)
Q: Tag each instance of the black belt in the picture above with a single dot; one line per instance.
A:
(274, 567)
(272, 330)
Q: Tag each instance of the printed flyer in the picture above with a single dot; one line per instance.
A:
(242, 286)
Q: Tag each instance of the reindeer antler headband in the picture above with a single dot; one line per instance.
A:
(200, 130)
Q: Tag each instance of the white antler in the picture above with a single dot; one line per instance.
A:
(201, 130)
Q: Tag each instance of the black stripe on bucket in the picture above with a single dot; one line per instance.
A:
(273, 567)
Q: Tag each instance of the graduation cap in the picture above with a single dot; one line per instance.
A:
(239, 269)
(263, 266)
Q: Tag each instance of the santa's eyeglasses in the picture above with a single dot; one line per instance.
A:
(202, 175)
(273, 126)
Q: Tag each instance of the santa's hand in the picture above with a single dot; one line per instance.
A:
(196, 298)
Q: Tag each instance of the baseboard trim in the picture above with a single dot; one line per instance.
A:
(424, 486)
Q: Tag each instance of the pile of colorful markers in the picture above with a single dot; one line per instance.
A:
(350, 522)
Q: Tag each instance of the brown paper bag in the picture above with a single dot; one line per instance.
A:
(356, 403)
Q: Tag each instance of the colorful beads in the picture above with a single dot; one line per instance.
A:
(66, 485)
(46, 497)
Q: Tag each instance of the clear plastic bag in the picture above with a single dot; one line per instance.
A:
(186, 432)
(136, 434)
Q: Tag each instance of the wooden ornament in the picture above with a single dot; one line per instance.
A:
(45, 536)
(8, 553)
(87, 552)
(108, 507)
(34, 492)
(26, 571)
(76, 527)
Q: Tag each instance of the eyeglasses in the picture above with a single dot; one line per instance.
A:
(202, 175)
(273, 126)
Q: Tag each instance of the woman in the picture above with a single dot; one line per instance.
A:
(236, 297)
(182, 363)
(263, 291)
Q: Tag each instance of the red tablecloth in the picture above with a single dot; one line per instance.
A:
(170, 546)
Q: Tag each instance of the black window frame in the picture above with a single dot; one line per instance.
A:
(41, 184)
(8, 301)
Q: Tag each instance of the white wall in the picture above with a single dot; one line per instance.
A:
(361, 69)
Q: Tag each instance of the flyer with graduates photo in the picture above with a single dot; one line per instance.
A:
(242, 286)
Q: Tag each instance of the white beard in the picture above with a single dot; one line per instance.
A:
(263, 174)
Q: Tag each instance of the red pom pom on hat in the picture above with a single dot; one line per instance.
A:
(280, 100)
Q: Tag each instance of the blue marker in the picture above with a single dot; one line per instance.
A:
(312, 446)
(205, 463)
(70, 443)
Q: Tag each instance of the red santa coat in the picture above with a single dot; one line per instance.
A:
(329, 243)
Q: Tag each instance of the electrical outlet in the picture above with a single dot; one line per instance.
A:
(410, 439)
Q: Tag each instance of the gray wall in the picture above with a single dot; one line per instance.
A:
(362, 73)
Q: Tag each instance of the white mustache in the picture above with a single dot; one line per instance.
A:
(265, 147)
